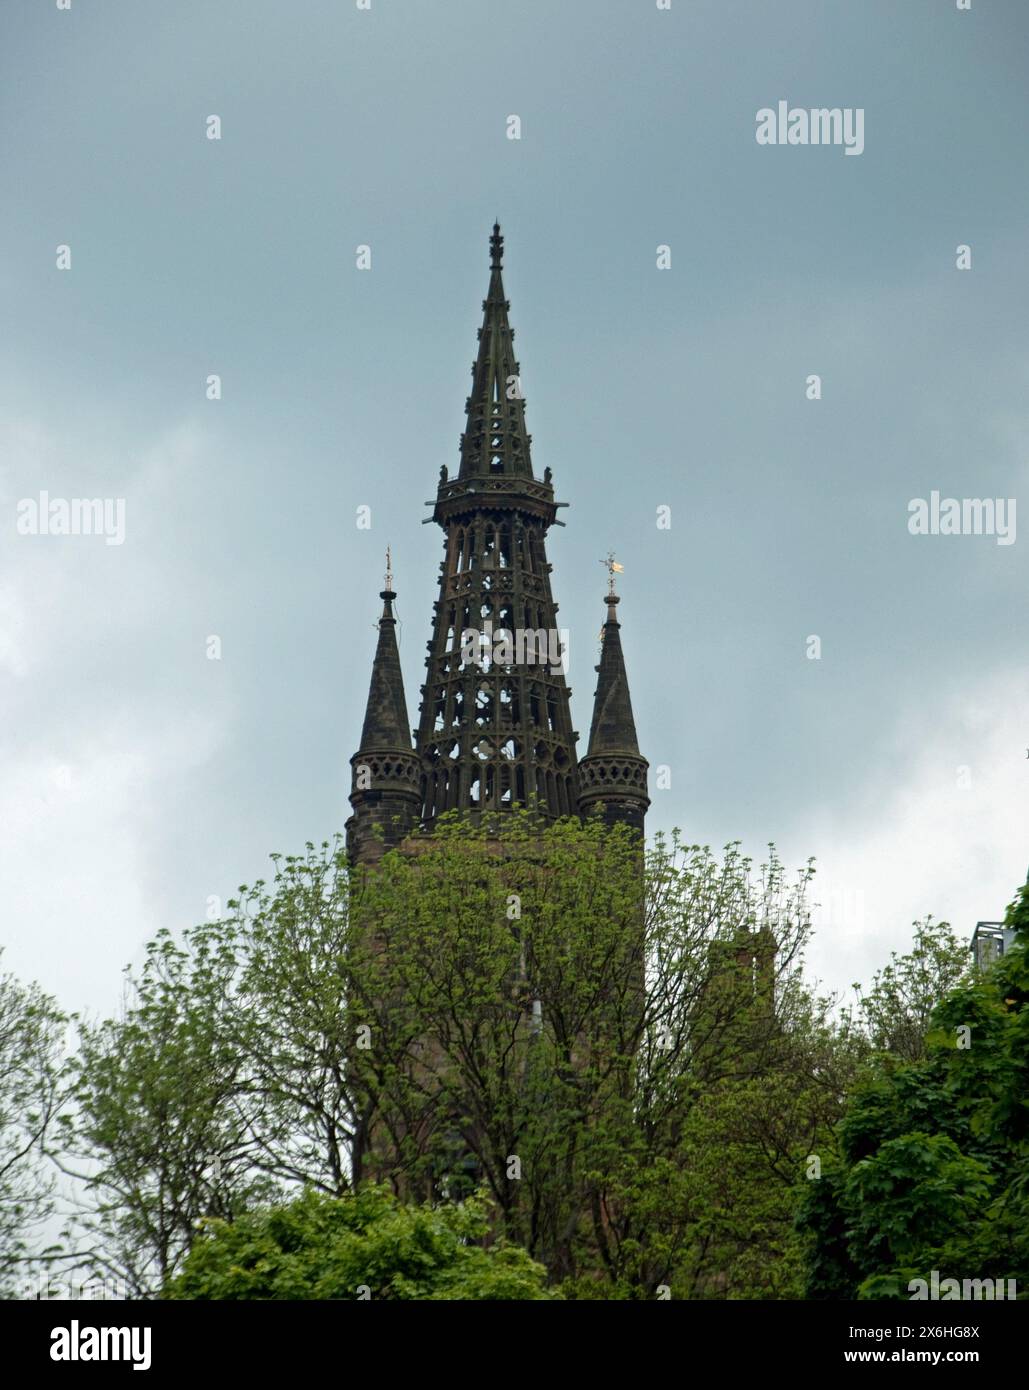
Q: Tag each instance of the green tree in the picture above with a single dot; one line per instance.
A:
(32, 1030)
(588, 1033)
(896, 1010)
(284, 1013)
(160, 1134)
(604, 1037)
(364, 1245)
(934, 1154)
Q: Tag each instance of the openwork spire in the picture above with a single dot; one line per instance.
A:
(495, 442)
(495, 728)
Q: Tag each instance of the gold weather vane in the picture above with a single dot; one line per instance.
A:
(613, 568)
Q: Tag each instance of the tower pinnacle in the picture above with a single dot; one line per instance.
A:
(386, 782)
(613, 774)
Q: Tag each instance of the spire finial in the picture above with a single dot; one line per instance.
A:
(496, 248)
(389, 569)
(613, 568)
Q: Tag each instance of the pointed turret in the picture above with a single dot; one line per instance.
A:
(385, 718)
(386, 783)
(613, 774)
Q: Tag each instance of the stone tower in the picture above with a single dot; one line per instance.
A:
(495, 728)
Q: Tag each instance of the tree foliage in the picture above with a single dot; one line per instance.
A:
(895, 1011)
(363, 1245)
(32, 1030)
(160, 1136)
(934, 1153)
(618, 1050)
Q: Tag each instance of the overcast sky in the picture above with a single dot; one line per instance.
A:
(140, 779)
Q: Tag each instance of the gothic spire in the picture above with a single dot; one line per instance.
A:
(495, 726)
(386, 783)
(613, 774)
(385, 719)
(495, 440)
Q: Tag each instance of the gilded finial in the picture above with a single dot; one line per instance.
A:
(613, 568)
